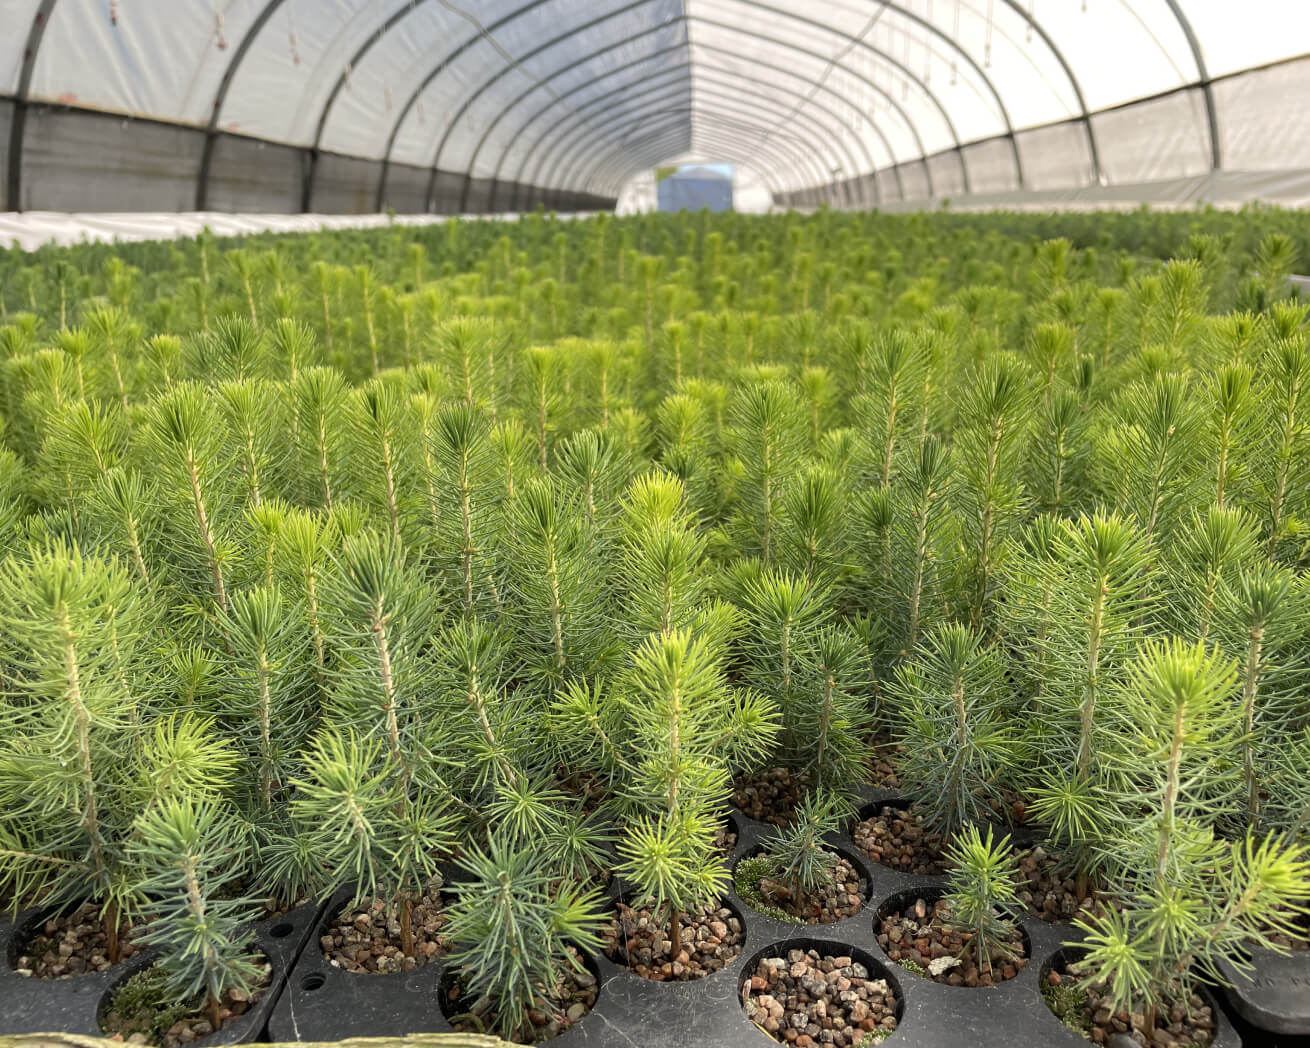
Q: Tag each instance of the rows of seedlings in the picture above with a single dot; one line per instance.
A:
(669, 630)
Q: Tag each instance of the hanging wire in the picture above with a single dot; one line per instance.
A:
(1032, 9)
(927, 50)
(987, 39)
(955, 39)
(113, 12)
(291, 31)
(220, 41)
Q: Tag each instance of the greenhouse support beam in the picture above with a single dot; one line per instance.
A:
(1204, 81)
(1085, 116)
(910, 125)
(18, 119)
(576, 157)
(588, 128)
(551, 172)
(307, 190)
(225, 85)
(539, 161)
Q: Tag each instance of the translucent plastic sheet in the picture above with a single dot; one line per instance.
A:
(491, 96)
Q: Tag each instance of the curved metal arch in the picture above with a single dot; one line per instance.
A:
(504, 70)
(18, 119)
(742, 151)
(588, 130)
(578, 157)
(225, 85)
(788, 45)
(548, 165)
(694, 19)
(1086, 117)
(396, 17)
(717, 132)
(519, 173)
(801, 151)
(908, 73)
(1207, 85)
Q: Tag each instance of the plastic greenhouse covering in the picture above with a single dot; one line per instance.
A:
(503, 105)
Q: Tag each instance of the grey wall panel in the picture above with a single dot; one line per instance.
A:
(991, 166)
(75, 160)
(1264, 119)
(947, 179)
(449, 185)
(1056, 157)
(347, 185)
(249, 175)
(6, 115)
(1160, 139)
(407, 188)
(914, 177)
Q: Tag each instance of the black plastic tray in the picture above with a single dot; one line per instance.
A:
(75, 1005)
(322, 1002)
(1275, 995)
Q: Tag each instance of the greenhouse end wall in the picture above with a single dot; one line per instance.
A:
(81, 160)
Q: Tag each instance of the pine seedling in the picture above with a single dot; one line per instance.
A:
(83, 441)
(663, 554)
(590, 464)
(1181, 918)
(111, 333)
(813, 532)
(381, 617)
(232, 352)
(784, 618)
(251, 408)
(381, 460)
(360, 826)
(837, 719)
(1149, 450)
(983, 881)
(542, 366)
(1059, 456)
(468, 348)
(191, 458)
(242, 266)
(801, 863)
(74, 630)
(187, 853)
(768, 437)
(558, 591)
(954, 708)
(515, 927)
(294, 346)
(321, 399)
(1230, 414)
(265, 693)
(1261, 618)
(918, 526)
(464, 497)
(1210, 554)
(1281, 459)
(991, 441)
(301, 557)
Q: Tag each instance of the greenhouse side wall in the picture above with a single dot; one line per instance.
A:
(1155, 150)
(87, 161)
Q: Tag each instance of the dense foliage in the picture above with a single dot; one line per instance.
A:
(329, 559)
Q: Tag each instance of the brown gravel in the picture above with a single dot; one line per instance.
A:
(883, 772)
(1295, 943)
(771, 796)
(806, 999)
(920, 934)
(1190, 1025)
(710, 939)
(365, 940)
(1045, 891)
(834, 902)
(725, 840)
(896, 838)
(71, 945)
(138, 1028)
(554, 1013)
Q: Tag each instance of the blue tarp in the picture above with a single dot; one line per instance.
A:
(694, 188)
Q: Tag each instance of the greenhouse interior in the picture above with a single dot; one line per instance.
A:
(655, 523)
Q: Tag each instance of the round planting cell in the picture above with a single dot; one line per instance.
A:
(911, 929)
(889, 833)
(712, 939)
(827, 992)
(579, 992)
(762, 892)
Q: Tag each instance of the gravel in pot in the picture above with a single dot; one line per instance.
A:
(756, 881)
(367, 939)
(1086, 1011)
(637, 939)
(914, 930)
(771, 796)
(806, 997)
(895, 837)
(1046, 891)
(554, 1011)
(143, 1010)
(70, 944)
